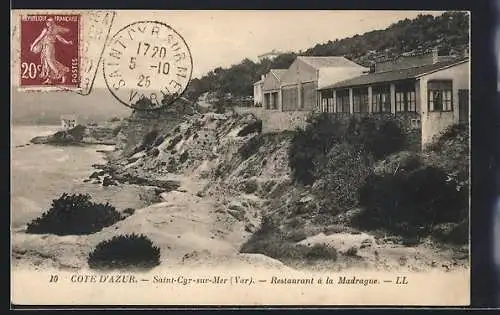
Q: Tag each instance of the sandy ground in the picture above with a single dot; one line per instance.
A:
(189, 230)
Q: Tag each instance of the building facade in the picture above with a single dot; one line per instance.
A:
(429, 97)
(257, 92)
(271, 89)
(302, 79)
(68, 122)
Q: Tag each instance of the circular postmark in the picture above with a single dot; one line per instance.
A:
(147, 65)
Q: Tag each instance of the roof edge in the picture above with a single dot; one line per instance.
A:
(443, 67)
(413, 77)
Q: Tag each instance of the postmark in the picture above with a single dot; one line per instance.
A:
(96, 29)
(50, 51)
(147, 65)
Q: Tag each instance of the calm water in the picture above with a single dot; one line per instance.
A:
(41, 173)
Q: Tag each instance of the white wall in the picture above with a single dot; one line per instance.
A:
(433, 123)
(257, 94)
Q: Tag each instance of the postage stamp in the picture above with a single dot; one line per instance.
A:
(50, 50)
(60, 50)
(147, 65)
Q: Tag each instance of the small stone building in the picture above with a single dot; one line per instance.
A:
(68, 121)
(271, 89)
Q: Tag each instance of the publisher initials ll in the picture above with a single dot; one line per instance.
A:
(401, 280)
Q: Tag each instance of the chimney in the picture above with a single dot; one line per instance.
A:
(373, 67)
(435, 55)
(262, 77)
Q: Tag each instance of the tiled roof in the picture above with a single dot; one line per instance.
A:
(395, 75)
(327, 62)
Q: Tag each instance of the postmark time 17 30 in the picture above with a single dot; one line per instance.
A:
(147, 60)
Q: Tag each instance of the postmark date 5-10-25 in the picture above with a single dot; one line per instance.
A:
(147, 61)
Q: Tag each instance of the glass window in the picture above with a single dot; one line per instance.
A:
(360, 100)
(343, 101)
(381, 99)
(440, 96)
(406, 97)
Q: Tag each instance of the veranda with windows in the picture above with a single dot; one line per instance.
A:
(394, 97)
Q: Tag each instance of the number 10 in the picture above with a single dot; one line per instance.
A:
(163, 68)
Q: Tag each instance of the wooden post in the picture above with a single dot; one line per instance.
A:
(370, 96)
(351, 102)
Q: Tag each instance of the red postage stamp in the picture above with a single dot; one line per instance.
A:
(50, 51)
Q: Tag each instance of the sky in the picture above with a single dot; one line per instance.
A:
(223, 38)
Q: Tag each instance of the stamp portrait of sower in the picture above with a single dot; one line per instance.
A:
(44, 44)
(50, 50)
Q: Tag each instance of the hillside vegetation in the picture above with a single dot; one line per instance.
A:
(447, 31)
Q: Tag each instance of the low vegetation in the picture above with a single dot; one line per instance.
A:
(74, 214)
(362, 174)
(130, 251)
(310, 148)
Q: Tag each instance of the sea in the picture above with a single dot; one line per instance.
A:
(41, 173)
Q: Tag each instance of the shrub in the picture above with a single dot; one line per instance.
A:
(410, 203)
(159, 140)
(125, 252)
(251, 146)
(352, 251)
(380, 138)
(148, 140)
(322, 251)
(184, 156)
(74, 215)
(311, 144)
(252, 127)
(129, 211)
(173, 142)
(296, 235)
(342, 175)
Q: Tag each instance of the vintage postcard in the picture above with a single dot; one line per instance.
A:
(255, 158)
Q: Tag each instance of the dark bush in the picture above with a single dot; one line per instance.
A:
(125, 252)
(410, 203)
(184, 156)
(252, 127)
(74, 215)
(342, 175)
(271, 241)
(251, 146)
(155, 152)
(380, 138)
(148, 140)
(129, 211)
(173, 142)
(311, 144)
(159, 140)
(322, 251)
